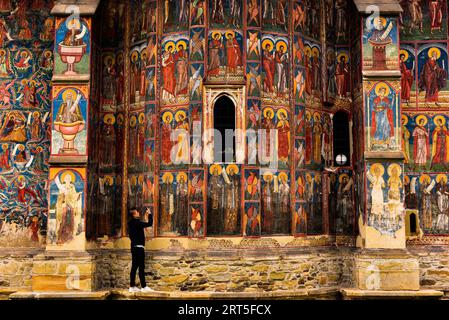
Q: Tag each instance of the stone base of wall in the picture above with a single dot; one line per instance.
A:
(242, 271)
(63, 271)
(231, 270)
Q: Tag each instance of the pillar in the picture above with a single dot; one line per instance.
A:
(383, 262)
(65, 265)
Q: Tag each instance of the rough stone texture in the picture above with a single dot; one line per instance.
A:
(434, 266)
(16, 268)
(230, 271)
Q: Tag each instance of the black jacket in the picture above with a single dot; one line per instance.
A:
(135, 230)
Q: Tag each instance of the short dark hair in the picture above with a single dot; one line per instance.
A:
(133, 209)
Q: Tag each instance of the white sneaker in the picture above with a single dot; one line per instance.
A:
(146, 289)
(133, 289)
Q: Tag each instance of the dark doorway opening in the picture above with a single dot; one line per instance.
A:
(342, 147)
(224, 122)
(413, 224)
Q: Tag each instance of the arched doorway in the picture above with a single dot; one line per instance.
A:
(224, 125)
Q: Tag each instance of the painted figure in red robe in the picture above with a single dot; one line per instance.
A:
(406, 80)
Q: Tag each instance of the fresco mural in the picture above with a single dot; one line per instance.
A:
(26, 69)
(385, 197)
(380, 44)
(72, 47)
(66, 221)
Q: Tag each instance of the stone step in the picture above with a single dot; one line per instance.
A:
(357, 294)
(69, 295)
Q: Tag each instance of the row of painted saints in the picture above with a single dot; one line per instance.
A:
(429, 194)
(225, 13)
(432, 75)
(425, 142)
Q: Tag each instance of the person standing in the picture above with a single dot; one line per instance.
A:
(136, 234)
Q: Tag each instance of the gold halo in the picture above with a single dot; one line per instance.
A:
(377, 165)
(405, 53)
(2, 52)
(120, 58)
(381, 20)
(229, 33)
(283, 176)
(141, 118)
(164, 117)
(380, 86)
(309, 177)
(36, 113)
(432, 50)
(282, 111)
(442, 118)
(316, 50)
(308, 51)
(343, 55)
(169, 43)
(39, 149)
(441, 176)
(215, 166)
(265, 111)
(67, 92)
(281, 43)
(405, 118)
(406, 179)
(421, 117)
(300, 181)
(133, 180)
(21, 147)
(169, 176)
(68, 173)
(108, 117)
(109, 179)
(216, 33)
(108, 58)
(394, 166)
(134, 56)
(47, 53)
(73, 22)
(232, 166)
(181, 174)
(5, 146)
(179, 114)
(140, 178)
(181, 42)
(317, 116)
(340, 178)
(133, 121)
(269, 42)
(21, 178)
(424, 178)
(308, 115)
(267, 175)
(317, 177)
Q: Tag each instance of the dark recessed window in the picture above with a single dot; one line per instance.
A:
(224, 123)
(342, 149)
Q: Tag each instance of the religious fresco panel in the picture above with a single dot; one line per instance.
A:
(196, 186)
(69, 132)
(252, 184)
(197, 44)
(253, 13)
(196, 81)
(175, 143)
(275, 69)
(114, 23)
(223, 200)
(313, 77)
(225, 13)
(66, 220)
(225, 50)
(341, 203)
(385, 197)
(427, 193)
(252, 220)
(176, 15)
(432, 75)
(174, 81)
(337, 24)
(423, 20)
(407, 65)
(107, 145)
(275, 15)
(425, 142)
(72, 46)
(382, 116)
(276, 207)
(313, 194)
(197, 12)
(253, 79)
(380, 44)
(342, 79)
